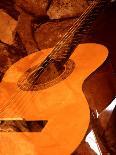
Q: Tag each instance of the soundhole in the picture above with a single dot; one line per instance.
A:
(53, 74)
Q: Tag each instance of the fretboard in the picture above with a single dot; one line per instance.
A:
(74, 36)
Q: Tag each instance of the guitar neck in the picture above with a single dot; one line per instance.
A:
(74, 36)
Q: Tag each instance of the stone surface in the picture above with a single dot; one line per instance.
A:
(9, 7)
(34, 7)
(66, 8)
(25, 32)
(8, 56)
(4, 58)
(29, 10)
(49, 33)
(7, 27)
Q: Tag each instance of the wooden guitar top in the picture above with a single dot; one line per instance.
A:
(61, 102)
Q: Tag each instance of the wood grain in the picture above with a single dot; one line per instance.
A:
(63, 105)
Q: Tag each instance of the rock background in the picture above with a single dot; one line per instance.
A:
(43, 11)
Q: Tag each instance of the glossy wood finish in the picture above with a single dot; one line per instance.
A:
(63, 105)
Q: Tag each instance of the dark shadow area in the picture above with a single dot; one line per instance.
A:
(22, 125)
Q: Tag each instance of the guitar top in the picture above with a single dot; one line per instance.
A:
(61, 103)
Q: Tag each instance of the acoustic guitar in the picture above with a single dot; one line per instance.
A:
(47, 86)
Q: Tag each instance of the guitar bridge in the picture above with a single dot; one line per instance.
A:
(21, 125)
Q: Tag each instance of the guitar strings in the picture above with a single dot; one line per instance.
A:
(66, 35)
(72, 28)
(49, 57)
(75, 24)
(57, 47)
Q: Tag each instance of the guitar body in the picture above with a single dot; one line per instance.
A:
(60, 101)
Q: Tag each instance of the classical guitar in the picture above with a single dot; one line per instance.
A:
(47, 86)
